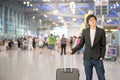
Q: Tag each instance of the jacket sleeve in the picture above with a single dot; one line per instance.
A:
(82, 41)
(103, 44)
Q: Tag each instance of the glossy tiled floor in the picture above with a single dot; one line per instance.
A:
(30, 65)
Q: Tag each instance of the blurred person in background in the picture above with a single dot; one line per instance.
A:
(51, 43)
(63, 42)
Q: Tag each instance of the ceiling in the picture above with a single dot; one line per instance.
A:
(60, 12)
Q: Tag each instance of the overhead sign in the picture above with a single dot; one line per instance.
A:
(101, 2)
(98, 3)
(101, 7)
(104, 2)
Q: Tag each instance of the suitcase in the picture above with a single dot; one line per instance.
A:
(67, 74)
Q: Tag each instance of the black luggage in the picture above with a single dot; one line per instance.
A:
(67, 74)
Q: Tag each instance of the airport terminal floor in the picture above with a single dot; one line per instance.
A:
(26, 24)
(31, 65)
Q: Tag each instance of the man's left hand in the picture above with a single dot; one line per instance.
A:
(101, 58)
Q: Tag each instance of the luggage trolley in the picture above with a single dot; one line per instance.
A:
(111, 52)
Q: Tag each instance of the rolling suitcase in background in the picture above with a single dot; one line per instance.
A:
(67, 73)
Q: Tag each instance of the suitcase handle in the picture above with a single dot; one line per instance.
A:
(65, 62)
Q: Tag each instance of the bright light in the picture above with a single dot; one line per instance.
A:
(109, 20)
(40, 20)
(24, 2)
(74, 19)
(62, 20)
(36, 9)
(72, 5)
(114, 7)
(33, 17)
(60, 17)
(28, 2)
(90, 12)
(113, 30)
(55, 11)
(45, 15)
(116, 2)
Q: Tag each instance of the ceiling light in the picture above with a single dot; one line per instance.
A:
(109, 20)
(40, 20)
(36, 9)
(45, 15)
(74, 19)
(116, 2)
(28, 2)
(24, 2)
(33, 17)
(55, 11)
(72, 5)
(60, 17)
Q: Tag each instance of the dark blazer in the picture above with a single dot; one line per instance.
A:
(99, 45)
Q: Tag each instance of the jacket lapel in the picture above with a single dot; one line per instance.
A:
(89, 36)
(96, 35)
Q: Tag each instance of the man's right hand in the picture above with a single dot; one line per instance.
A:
(69, 52)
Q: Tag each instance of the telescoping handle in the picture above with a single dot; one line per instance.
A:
(68, 60)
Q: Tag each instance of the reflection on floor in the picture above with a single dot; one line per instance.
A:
(30, 65)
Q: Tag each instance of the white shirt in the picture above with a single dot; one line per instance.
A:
(92, 35)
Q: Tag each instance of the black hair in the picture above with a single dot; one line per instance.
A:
(89, 16)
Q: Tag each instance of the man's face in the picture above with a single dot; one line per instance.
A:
(92, 21)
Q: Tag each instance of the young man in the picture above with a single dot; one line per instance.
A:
(95, 46)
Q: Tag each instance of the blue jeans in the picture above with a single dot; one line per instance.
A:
(98, 64)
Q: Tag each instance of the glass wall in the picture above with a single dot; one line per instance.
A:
(1, 22)
(14, 24)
